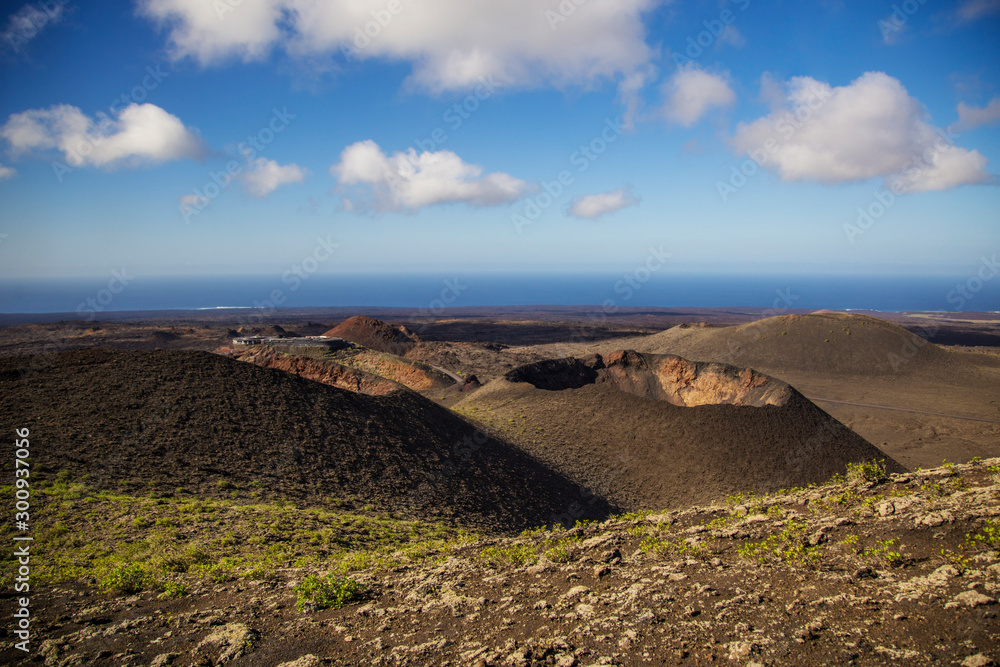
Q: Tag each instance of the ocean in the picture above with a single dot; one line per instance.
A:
(434, 294)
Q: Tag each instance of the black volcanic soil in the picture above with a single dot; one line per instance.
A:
(609, 424)
(162, 420)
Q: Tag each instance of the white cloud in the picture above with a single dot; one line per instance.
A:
(7, 172)
(971, 10)
(411, 180)
(870, 128)
(29, 21)
(265, 176)
(891, 29)
(192, 200)
(970, 117)
(692, 91)
(451, 44)
(733, 37)
(772, 92)
(630, 94)
(141, 133)
(594, 206)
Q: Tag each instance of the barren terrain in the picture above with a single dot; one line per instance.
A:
(519, 486)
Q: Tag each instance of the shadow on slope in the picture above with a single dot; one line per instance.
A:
(160, 420)
(650, 431)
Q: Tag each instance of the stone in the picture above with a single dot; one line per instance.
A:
(970, 599)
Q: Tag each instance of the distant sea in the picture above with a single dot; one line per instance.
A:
(431, 293)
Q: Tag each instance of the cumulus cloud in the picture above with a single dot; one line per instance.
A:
(410, 181)
(691, 92)
(29, 21)
(970, 117)
(870, 128)
(594, 206)
(972, 10)
(7, 172)
(141, 133)
(451, 44)
(265, 176)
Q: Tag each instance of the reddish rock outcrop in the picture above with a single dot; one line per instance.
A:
(374, 334)
(327, 372)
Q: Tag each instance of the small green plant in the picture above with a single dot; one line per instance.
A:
(885, 552)
(562, 550)
(870, 472)
(786, 547)
(958, 560)
(327, 592)
(514, 555)
(987, 536)
(128, 578)
(173, 589)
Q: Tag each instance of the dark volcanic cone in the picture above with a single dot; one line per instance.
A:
(155, 421)
(653, 431)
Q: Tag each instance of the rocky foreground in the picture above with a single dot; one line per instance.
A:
(871, 570)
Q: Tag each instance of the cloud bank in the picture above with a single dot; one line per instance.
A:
(451, 44)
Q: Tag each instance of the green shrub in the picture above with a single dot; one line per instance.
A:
(327, 592)
(560, 551)
(127, 578)
(870, 472)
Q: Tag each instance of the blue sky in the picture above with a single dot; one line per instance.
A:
(519, 136)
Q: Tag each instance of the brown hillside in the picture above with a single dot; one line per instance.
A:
(374, 334)
(619, 424)
(320, 370)
(168, 419)
(818, 342)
